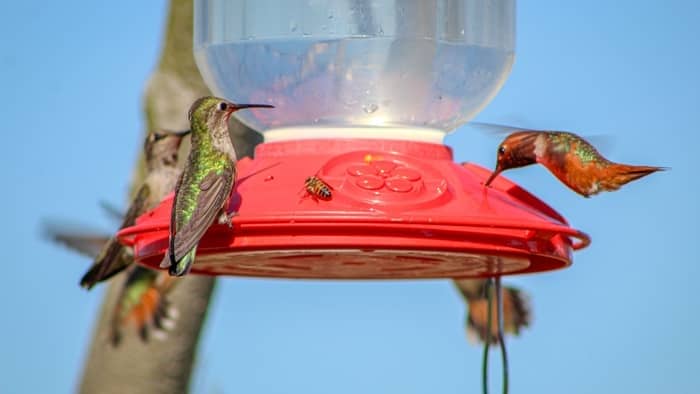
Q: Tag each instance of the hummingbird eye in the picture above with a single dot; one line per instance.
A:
(501, 149)
(223, 106)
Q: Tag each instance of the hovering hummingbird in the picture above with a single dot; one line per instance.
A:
(516, 309)
(161, 151)
(143, 301)
(203, 190)
(142, 298)
(569, 157)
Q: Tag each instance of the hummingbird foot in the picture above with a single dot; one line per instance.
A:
(225, 218)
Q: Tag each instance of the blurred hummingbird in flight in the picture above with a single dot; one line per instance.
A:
(516, 309)
(142, 298)
(573, 160)
(203, 190)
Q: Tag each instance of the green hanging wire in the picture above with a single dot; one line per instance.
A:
(501, 336)
(485, 359)
(496, 283)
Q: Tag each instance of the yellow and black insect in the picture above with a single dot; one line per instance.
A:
(317, 188)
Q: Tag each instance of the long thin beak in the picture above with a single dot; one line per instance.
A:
(493, 176)
(180, 133)
(236, 107)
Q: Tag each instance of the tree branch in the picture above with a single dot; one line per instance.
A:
(161, 366)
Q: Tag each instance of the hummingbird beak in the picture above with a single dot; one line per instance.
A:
(180, 133)
(236, 107)
(493, 176)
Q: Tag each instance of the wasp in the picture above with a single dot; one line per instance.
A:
(317, 188)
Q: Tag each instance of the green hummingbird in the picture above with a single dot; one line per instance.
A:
(161, 151)
(516, 310)
(203, 190)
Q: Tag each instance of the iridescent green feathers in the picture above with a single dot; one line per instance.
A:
(203, 190)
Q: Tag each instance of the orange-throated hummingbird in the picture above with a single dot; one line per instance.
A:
(573, 160)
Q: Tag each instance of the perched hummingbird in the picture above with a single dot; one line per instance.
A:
(161, 150)
(569, 157)
(516, 309)
(203, 190)
(142, 298)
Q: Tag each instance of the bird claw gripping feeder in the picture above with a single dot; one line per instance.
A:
(364, 93)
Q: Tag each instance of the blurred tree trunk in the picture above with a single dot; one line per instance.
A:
(161, 366)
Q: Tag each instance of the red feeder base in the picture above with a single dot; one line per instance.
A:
(398, 209)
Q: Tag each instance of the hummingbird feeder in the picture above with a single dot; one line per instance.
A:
(364, 93)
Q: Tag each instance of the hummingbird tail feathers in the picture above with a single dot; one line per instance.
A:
(516, 315)
(625, 173)
(182, 267)
(111, 261)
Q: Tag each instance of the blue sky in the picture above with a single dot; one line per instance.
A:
(618, 320)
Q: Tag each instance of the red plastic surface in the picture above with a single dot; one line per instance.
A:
(399, 209)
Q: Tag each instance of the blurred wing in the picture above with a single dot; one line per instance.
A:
(516, 310)
(215, 189)
(83, 241)
(497, 129)
(111, 210)
(470, 288)
(603, 142)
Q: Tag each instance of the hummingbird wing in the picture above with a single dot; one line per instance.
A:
(495, 128)
(111, 210)
(85, 242)
(113, 258)
(213, 193)
(516, 310)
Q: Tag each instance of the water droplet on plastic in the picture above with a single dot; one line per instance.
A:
(370, 108)
(330, 15)
(292, 26)
(462, 32)
(305, 29)
(380, 31)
